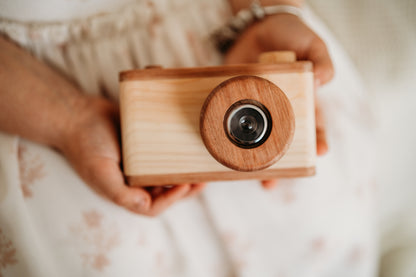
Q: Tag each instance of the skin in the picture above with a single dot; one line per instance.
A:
(287, 32)
(38, 103)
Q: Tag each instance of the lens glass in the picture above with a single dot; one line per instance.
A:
(247, 123)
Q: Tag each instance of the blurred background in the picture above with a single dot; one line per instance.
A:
(380, 38)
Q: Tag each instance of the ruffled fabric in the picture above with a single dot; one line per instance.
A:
(92, 51)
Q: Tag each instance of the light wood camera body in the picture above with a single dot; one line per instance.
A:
(160, 116)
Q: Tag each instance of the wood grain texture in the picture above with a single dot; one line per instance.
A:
(277, 57)
(160, 122)
(156, 72)
(201, 177)
(214, 112)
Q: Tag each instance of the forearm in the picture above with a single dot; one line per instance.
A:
(237, 5)
(35, 102)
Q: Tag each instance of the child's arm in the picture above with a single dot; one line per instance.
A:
(39, 104)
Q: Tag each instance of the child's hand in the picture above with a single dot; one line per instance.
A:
(92, 147)
(287, 32)
(283, 32)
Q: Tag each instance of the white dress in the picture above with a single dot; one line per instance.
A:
(52, 224)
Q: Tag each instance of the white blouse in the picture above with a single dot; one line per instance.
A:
(56, 10)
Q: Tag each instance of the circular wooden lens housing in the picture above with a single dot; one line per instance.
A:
(247, 123)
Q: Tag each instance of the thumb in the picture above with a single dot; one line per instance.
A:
(106, 177)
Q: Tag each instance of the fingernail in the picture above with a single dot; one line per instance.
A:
(142, 203)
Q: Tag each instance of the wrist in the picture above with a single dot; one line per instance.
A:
(246, 19)
(72, 115)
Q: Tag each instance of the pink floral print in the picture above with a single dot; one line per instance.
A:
(7, 253)
(31, 169)
(98, 238)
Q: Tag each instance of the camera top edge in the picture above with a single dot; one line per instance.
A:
(214, 71)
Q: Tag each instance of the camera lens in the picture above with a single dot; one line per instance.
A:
(247, 123)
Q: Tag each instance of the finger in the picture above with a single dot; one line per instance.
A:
(323, 67)
(166, 199)
(155, 191)
(244, 50)
(321, 140)
(106, 177)
(195, 189)
(269, 184)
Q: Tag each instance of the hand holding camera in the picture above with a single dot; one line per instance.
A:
(284, 32)
(287, 32)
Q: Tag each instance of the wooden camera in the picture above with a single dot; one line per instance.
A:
(249, 121)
